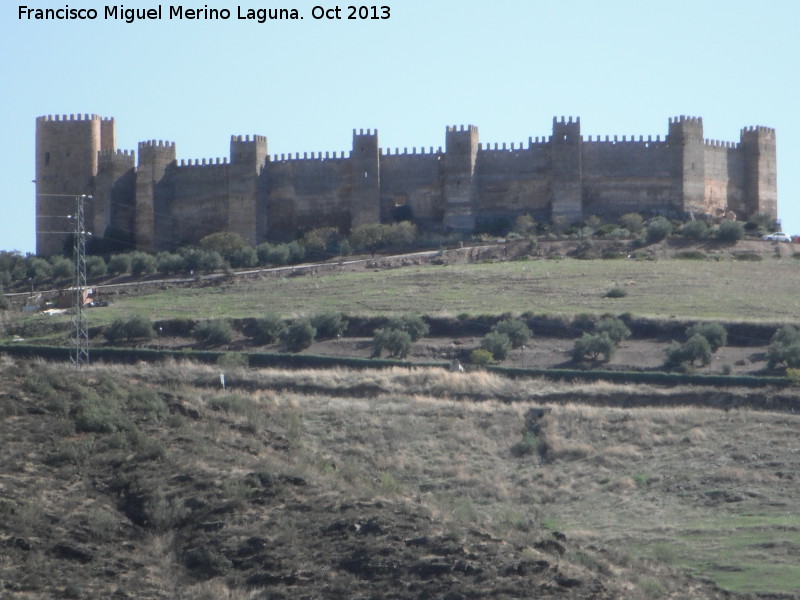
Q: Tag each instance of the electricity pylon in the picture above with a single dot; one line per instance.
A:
(80, 352)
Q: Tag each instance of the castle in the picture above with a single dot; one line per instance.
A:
(161, 203)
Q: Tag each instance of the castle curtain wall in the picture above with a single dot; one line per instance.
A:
(621, 176)
(514, 181)
(415, 181)
(162, 204)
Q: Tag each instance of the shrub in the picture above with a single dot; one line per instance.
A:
(95, 266)
(695, 230)
(243, 258)
(748, 256)
(633, 222)
(136, 327)
(715, 334)
(690, 255)
(226, 243)
(213, 333)
(411, 324)
(277, 255)
(695, 349)
(329, 324)
(369, 237)
(613, 327)
(730, 231)
(480, 357)
(616, 292)
(39, 269)
(96, 415)
(266, 330)
(499, 344)
(233, 360)
(62, 267)
(211, 260)
(598, 347)
(262, 251)
(786, 335)
(401, 235)
(321, 240)
(658, 229)
(395, 341)
(524, 225)
(297, 252)
(516, 330)
(529, 444)
(142, 263)
(784, 348)
(169, 262)
(298, 336)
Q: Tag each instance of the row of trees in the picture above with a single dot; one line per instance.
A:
(395, 338)
(216, 252)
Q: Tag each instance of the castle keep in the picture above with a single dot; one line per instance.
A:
(162, 203)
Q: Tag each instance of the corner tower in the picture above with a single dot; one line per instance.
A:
(758, 145)
(460, 186)
(66, 164)
(567, 164)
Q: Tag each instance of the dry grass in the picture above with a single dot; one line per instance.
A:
(633, 482)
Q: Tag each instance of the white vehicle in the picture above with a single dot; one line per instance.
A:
(776, 237)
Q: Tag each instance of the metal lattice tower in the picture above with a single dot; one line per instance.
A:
(80, 352)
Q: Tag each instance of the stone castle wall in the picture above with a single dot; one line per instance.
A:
(162, 203)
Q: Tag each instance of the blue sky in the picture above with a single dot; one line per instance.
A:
(506, 66)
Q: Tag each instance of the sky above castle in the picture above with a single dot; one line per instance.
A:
(507, 66)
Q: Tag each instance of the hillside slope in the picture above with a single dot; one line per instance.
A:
(150, 482)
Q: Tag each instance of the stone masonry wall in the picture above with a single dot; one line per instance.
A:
(562, 177)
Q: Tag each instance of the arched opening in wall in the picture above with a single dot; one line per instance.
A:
(402, 210)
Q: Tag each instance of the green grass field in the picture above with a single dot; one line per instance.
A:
(730, 290)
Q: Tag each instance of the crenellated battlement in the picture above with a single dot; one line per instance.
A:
(566, 130)
(246, 138)
(203, 162)
(566, 121)
(504, 147)
(721, 144)
(405, 152)
(156, 144)
(117, 152)
(309, 156)
(113, 160)
(685, 119)
(365, 132)
(79, 117)
(464, 128)
(758, 128)
(646, 143)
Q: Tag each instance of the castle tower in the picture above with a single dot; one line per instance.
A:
(761, 176)
(154, 159)
(687, 143)
(247, 159)
(460, 186)
(66, 164)
(114, 191)
(365, 179)
(567, 168)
